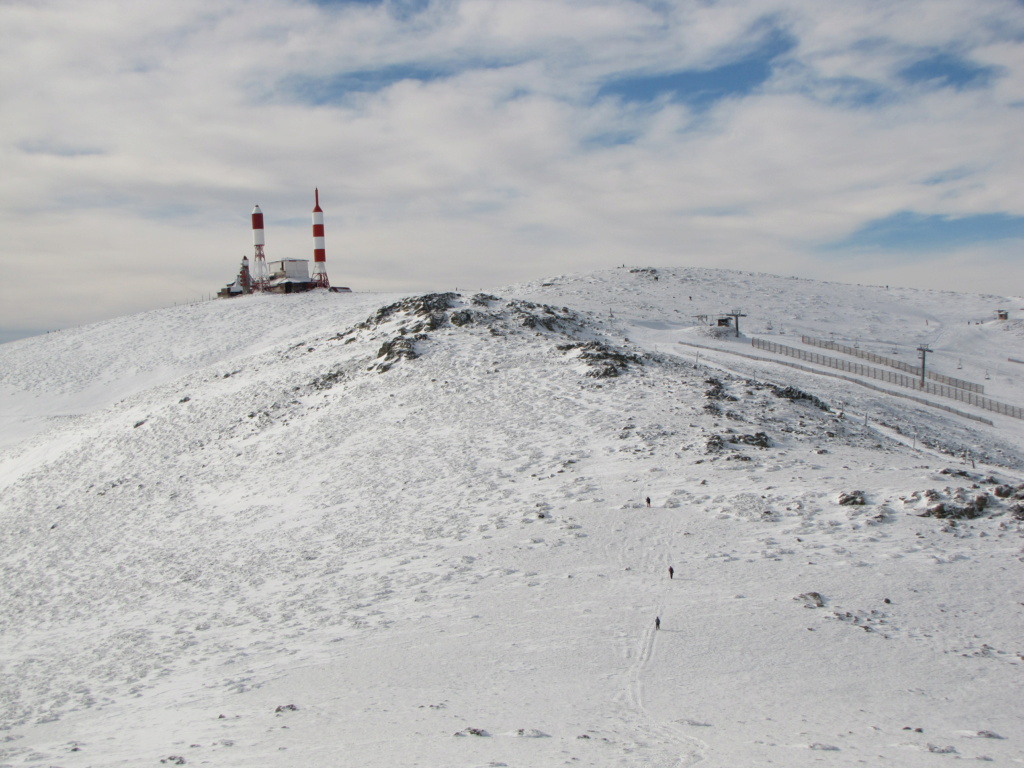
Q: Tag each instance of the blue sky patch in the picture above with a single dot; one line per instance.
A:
(702, 87)
(946, 70)
(334, 88)
(851, 92)
(609, 139)
(909, 231)
(948, 176)
(58, 150)
(400, 9)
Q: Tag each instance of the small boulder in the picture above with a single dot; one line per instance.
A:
(472, 732)
(462, 317)
(811, 600)
(714, 444)
(758, 439)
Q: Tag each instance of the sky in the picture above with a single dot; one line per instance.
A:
(474, 143)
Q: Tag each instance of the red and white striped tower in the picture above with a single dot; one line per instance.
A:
(260, 273)
(319, 276)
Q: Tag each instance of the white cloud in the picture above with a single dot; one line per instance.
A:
(152, 129)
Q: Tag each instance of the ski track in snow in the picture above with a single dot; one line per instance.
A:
(445, 560)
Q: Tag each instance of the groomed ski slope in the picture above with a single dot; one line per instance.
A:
(281, 531)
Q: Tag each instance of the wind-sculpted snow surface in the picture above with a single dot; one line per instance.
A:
(148, 566)
(414, 531)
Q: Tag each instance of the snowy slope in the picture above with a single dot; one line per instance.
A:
(416, 528)
(64, 374)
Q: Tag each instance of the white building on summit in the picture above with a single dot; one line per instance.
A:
(289, 275)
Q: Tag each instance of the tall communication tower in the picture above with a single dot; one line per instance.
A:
(319, 276)
(260, 273)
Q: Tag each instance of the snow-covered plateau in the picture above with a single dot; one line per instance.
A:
(369, 530)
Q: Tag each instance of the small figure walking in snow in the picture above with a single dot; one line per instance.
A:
(648, 501)
(671, 571)
(657, 622)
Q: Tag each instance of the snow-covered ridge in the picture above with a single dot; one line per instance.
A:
(415, 529)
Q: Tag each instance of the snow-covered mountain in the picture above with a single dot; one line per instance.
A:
(367, 530)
